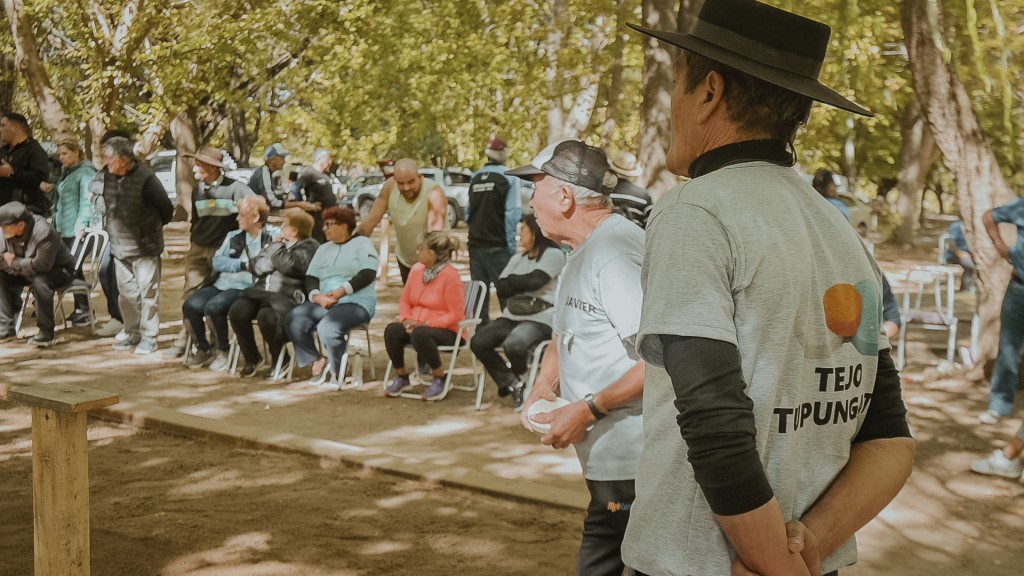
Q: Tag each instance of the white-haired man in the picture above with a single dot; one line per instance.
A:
(591, 362)
(313, 193)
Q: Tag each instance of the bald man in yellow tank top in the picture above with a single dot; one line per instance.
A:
(416, 205)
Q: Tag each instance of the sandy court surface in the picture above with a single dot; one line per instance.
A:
(169, 505)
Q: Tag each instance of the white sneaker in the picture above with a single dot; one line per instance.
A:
(989, 417)
(110, 328)
(998, 465)
(220, 362)
(121, 336)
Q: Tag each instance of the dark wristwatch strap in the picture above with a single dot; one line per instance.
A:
(589, 399)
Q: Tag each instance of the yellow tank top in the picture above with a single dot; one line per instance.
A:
(409, 219)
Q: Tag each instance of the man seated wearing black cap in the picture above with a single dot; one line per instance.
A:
(772, 403)
(32, 255)
(591, 363)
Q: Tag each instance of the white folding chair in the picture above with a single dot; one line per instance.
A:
(942, 248)
(475, 291)
(282, 372)
(87, 249)
(939, 283)
(26, 300)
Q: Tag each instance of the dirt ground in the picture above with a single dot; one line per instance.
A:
(167, 505)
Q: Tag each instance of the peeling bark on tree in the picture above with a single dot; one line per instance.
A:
(655, 129)
(26, 58)
(917, 155)
(185, 136)
(947, 107)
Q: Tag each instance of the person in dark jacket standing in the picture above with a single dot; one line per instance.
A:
(23, 165)
(134, 207)
(494, 213)
(31, 254)
(264, 183)
(214, 214)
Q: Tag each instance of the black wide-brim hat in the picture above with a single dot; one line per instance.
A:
(774, 45)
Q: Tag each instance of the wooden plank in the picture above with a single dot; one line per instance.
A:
(62, 397)
(60, 493)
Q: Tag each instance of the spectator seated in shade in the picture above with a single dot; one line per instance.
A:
(231, 264)
(432, 305)
(957, 252)
(280, 274)
(31, 254)
(528, 284)
(342, 295)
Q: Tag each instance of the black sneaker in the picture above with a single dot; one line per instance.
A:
(42, 340)
(251, 368)
(517, 395)
(81, 318)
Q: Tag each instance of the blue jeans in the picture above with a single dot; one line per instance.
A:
(332, 326)
(1006, 375)
(213, 303)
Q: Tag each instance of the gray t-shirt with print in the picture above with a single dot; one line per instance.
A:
(596, 320)
(551, 262)
(750, 255)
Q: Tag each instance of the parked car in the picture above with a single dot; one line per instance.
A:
(455, 181)
(163, 164)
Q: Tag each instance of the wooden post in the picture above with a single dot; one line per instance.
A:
(60, 474)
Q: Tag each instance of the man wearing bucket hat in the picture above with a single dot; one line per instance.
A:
(264, 183)
(590, 362)
(214, 215)
(771, 396)
(630, 200)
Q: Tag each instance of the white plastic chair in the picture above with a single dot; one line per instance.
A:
(282, 372)
(87, 249)
(939, 282)
(538, 357)
(475, 291)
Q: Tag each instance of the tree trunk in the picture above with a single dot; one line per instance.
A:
(26, 58)
(8, 81)
(239, 139)
(917, 154)
(185, 136)
(946, 105)
(553, 45)
(152, 135)
(655, 111)
(614, 95)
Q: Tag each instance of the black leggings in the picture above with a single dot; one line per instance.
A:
(424, 340)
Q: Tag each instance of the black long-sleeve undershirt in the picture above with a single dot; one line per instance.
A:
(717, 423)
(361, 280)
(518, 283)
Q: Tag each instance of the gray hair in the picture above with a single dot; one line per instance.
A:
(320, 154)
(119, 147)
(586, 197)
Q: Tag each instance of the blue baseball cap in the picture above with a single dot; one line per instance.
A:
(276, 149)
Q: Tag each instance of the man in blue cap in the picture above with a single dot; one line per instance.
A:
(266, 180)
(771, 396)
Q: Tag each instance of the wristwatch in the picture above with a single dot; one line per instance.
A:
(592, 404)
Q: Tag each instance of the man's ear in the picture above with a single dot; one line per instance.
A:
(714, 95)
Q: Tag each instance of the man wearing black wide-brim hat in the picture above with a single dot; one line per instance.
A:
(771, 402)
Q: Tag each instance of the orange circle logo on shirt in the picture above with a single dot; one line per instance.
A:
(843, 307)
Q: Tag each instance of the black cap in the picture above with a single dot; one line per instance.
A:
(574, 162)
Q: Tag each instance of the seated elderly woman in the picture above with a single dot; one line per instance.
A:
(231, 263)
(341, 292)
(432, 305)
(528, 285)
(280, 271)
